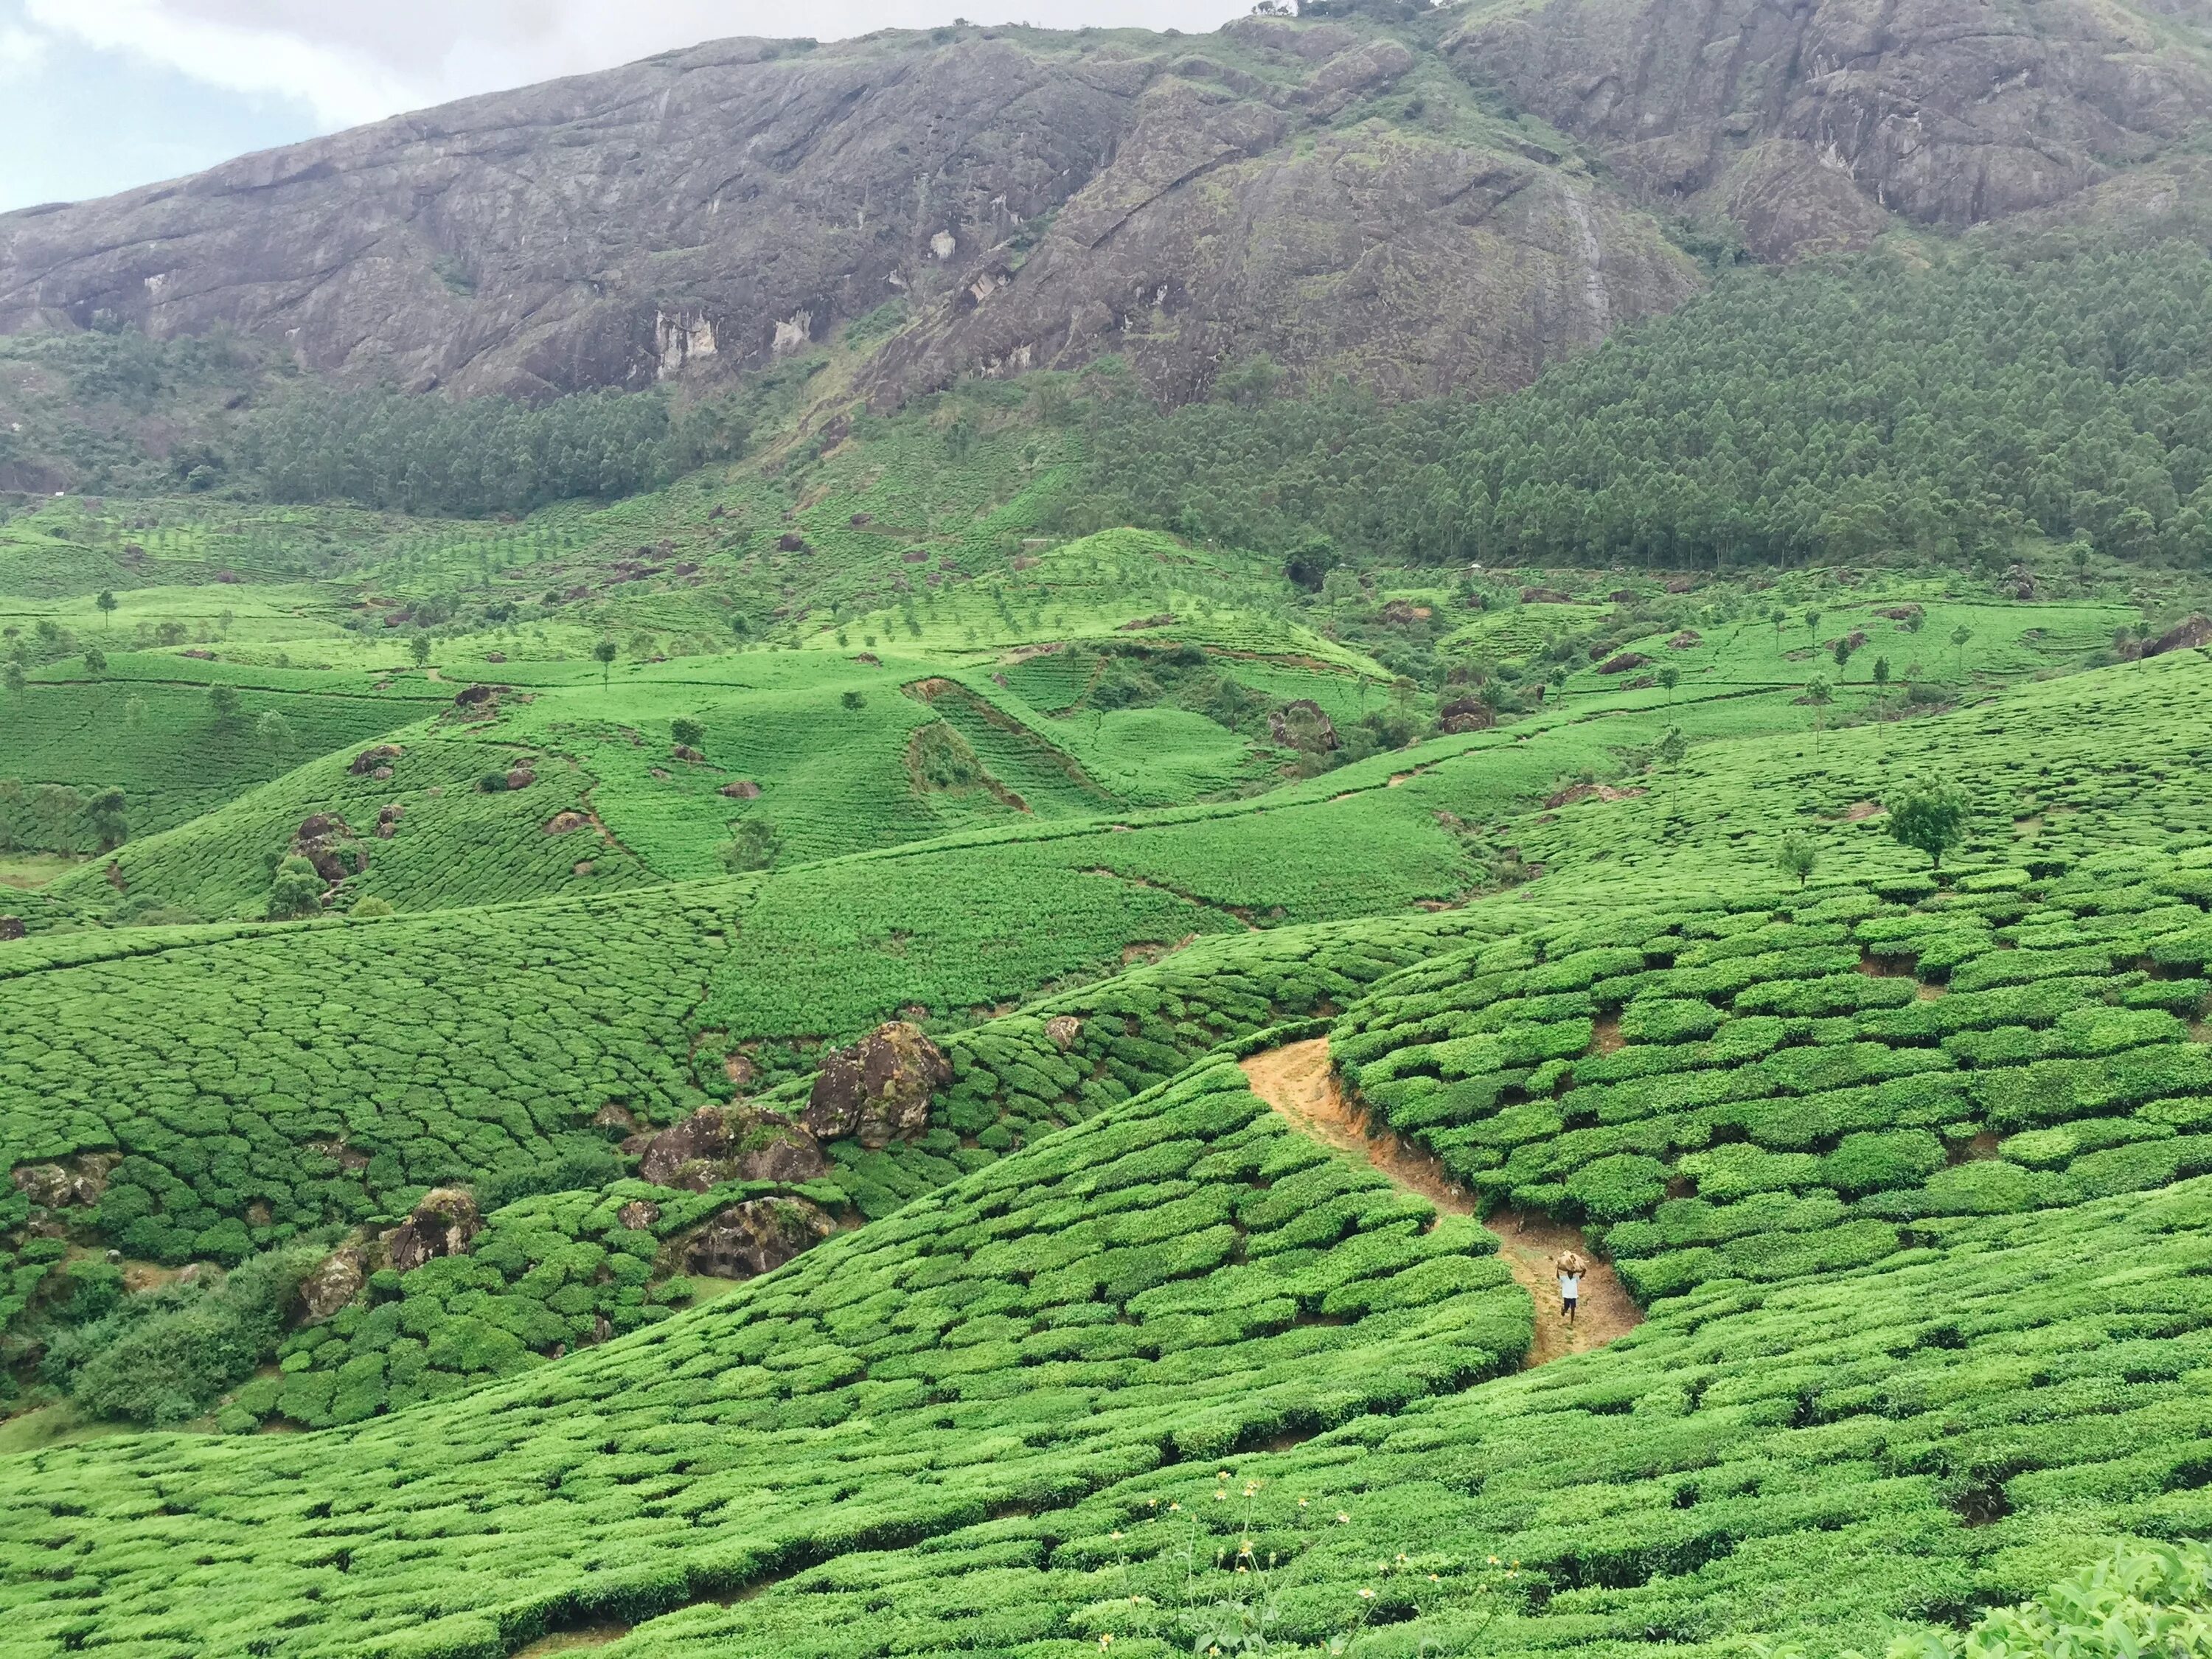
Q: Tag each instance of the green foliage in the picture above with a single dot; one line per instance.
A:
(1930, 816)
(1900, 405)
(297, 890)
(163, 1358)
(1796, 856)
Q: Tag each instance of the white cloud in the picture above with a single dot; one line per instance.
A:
(21, 51)
(356, 60)
(342, 86)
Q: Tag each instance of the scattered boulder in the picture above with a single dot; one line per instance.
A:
(470, 696)
(1403, 613)
(2023, 582)
(67, 1186)
(381, 755)
(2185, 636)
(1625, 663)
(611, 1116)
(1466, 714)
(1900, 612)
(387, 820)
(757, 1236)
(735, 1143)
(326, 841)
(1623, 596)
(1575, 791)
(333, 1285)
(562, 823)
(1544, 596)
(685, 752)
(1680, 584)
(1685, 640)
(1311, 729)
(878, 1091)
(1064, 1030)
(12, 927)
(638, 1214)
(442, 1225)
(1159, 619)
(790, 542)
(520, 777)
(740, 789)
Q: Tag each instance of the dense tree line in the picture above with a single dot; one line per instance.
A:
(476, 456)
(1829, 413)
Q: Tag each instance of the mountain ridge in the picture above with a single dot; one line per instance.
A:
(1446, 205)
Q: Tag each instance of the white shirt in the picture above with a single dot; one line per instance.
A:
(1569, 1285)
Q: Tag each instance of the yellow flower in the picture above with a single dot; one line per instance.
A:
(1152, 1502)
(1116, 1537)
(1433, 1578)
(1366, 1594)
(1302, 1502)
(1493, 1560)
(1245, 1547)
(1105, 1642)
(1219, 1497)
(1250, 1487)
(1342, 1519)
(1224, 1476)
(1401, 1554)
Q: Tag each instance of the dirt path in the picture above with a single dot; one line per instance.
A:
(1298, 1081)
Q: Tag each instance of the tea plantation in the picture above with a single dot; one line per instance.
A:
(668, 1073)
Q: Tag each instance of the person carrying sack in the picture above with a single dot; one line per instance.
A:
(1571, 1268)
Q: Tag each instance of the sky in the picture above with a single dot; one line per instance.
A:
(99, 95)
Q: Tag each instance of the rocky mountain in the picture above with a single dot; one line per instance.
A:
(1447, 203)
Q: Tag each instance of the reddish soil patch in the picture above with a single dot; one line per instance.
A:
(1859, 810)
(1529, 1245)
(1298, 1081)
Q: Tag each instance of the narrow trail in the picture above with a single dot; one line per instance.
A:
(1298, 1081)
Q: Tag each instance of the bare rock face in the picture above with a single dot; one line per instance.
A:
(757, 1236)
(718, 208)
(1811, 121)
(717, 1144)
(1463, 715)
(334, 1284)
(1065, 1031)
(12, 927)
(442, 1225)
(878, 1091)
(2195, 632)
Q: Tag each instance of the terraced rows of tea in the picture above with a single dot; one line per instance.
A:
(666, 1078)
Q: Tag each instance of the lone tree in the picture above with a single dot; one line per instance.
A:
(1819, 694)
(297, 891)
(1930, 816)
(12, 676)
(223, 700)
(1796, 856)
(1673, 745)
(689, 733)
(104, 811)
(95, 662)
(419, 649)
(106, 603)
(1960, 635)
(1813, 621)
(1670, 676)
(603, 654)
(275, 732)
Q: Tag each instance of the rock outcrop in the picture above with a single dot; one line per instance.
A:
(757, 1236)
(334, 1284)
(442, 1225)
(730, 1143)
(879, 1089)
